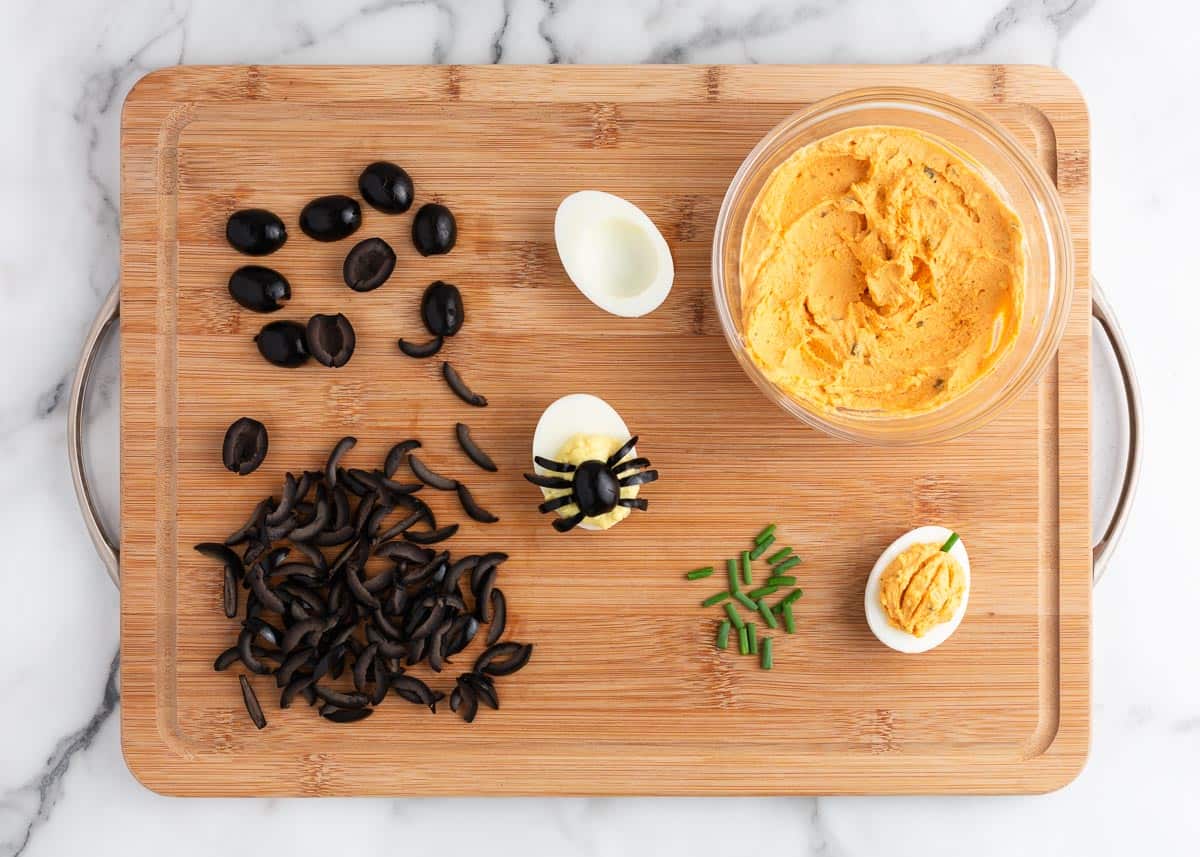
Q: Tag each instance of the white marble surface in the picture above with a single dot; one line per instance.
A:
(67, 64)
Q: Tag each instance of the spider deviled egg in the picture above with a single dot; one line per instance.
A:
(586, 464)
(917, 592)
(613, 253)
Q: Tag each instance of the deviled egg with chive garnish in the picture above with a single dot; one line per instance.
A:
(613, 253)
(586, 464)
(917, 592)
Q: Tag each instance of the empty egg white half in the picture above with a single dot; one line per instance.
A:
(613, 253)
(877, 619)
(578, 413)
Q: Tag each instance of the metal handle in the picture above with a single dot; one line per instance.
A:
(108, 547)
(1102, 550)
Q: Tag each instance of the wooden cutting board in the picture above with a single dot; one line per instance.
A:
(625, 693)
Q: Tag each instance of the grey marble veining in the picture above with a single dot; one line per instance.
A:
(67, 65)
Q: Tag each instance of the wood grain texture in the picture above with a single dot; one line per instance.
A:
(625, 693)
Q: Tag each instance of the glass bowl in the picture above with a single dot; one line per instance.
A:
(1012, 173)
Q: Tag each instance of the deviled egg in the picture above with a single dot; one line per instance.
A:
(917, 592)
(613, 253)
(586, 464)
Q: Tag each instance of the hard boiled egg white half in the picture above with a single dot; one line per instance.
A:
(578, 413)
(877, 619)
(613, 253)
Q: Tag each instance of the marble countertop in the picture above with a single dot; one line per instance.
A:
(67, 65)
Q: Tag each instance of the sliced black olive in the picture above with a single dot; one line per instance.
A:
(432, 537)
(460, 387)
(442, 308)
(463, 432)
(345, 715)
(286, 502)
(499, 617)
(386, 187)
(472, 508)
(434, 231)
(363, 663)
(467, 701)
(354, 699)
(252, 706)
(330, 339)
(258, 288)
(416, 691)
(404, 552)
(245, 446)
(293, 662)
(483, 686)
(421, 349)
(246, 651)
(503, 658)
(330, 218)
(482, 589)
(368, 265)
(395, 456)
(255, 232)
(433, 480)
(243, 533)
(335, 455)
(225, 554)
(282, 343)
(226, 659)
(299, 684)
(230, 594)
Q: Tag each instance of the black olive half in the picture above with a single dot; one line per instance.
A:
(258, 288)
(386, 187)
(442, 309)
(245, 446)
(330, 339)
(330, 218)
(434, 230)
(368, 264)
(282, 343)
(255, 231)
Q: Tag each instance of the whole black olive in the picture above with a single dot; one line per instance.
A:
(255, 231)
(434, 230)
(386, 187)
(368, 264)
(282, 343)
(442, 309)
(258, 288)
(330, 218)
(330, 339)
(245, 446)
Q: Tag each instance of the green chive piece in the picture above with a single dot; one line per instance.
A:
(723, 634)
(714, 599)
(767, 615)
(752, 638)
(743, 641)
(745, 600)
(950, 542)
(733, 615)
(731, 565)
(768, 654)
(795, 595)
(784, 566)
(762, 546)
(766, 533)
(747, 575)
(781, 580)
(778, 555)
(789, 621)
(700, 573)
(763, 592)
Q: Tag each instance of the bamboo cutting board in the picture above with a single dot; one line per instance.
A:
(625, 693)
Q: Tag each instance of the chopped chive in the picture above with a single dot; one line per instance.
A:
(778, 555)
(781, 580)
(784, 566)
(950, 542)
(789, 621)
(745, 600)
(731, 565)
(700, 573)
(768, 654)
(743, 641)
(752, 638)
(767, 615)
(747, 575)
(794, 595)
(763, 592)
(714, 599)
(723, 634)
(761, 547)
(766, 533)
(733, 615)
